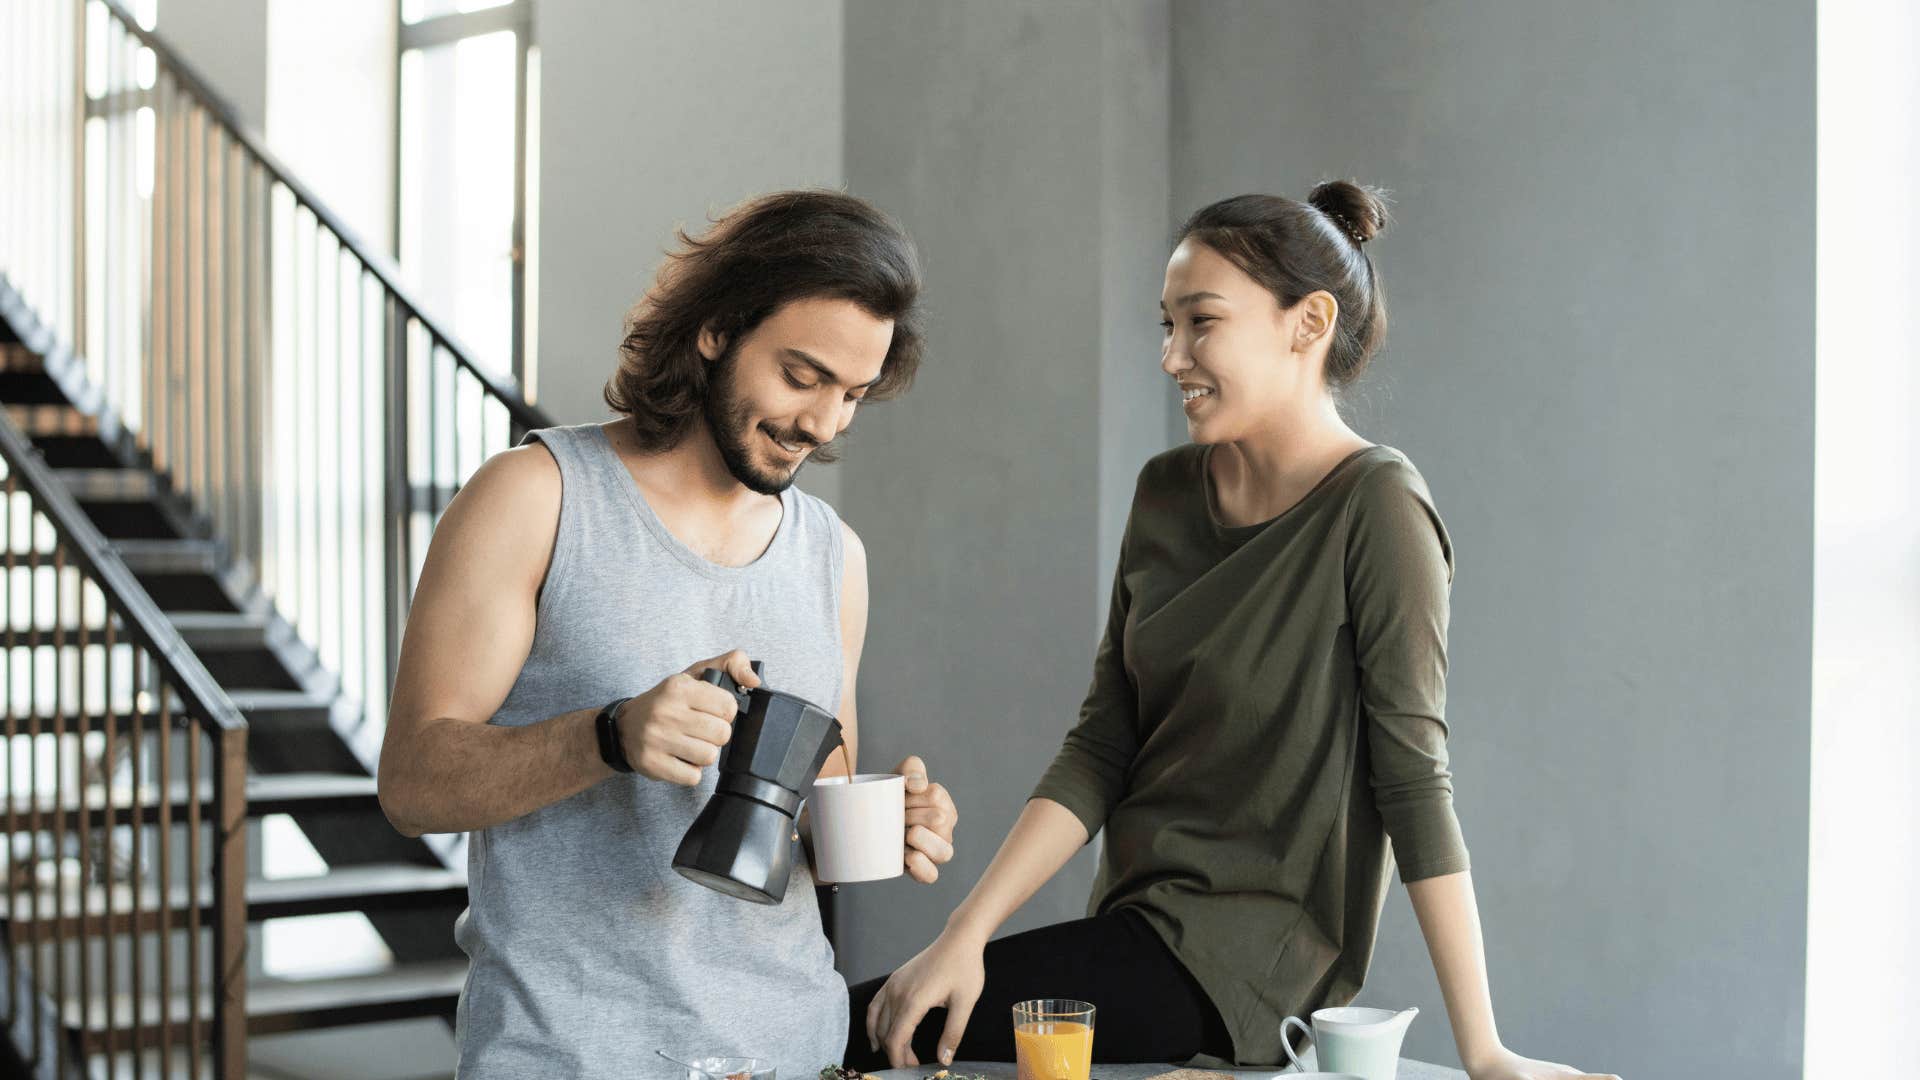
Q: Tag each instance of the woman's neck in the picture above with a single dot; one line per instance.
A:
(1264, 473)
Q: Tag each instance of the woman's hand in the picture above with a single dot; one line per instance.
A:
(1504, 1064)
(950, 972)
(931, 817)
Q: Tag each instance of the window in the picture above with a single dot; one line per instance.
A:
(468, 74)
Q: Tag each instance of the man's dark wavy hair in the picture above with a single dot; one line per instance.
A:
(769, 251)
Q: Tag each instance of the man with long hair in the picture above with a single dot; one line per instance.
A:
(547, 698)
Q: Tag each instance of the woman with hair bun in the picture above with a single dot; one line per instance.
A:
(1265, 734)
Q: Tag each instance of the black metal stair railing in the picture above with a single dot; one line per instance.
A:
(232, 333)
(123, 788)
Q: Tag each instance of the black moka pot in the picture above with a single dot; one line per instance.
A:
(742, 841)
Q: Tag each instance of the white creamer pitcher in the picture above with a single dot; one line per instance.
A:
(1364, 1042)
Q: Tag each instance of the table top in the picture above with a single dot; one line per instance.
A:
(1003, 1070)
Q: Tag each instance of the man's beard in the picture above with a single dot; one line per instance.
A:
(728, 420)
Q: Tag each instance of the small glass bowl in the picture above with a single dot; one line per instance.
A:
(730, 1068)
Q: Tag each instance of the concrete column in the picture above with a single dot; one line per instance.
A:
(1024, 148)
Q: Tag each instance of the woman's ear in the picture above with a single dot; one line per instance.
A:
(1317, 312)
(712, 343)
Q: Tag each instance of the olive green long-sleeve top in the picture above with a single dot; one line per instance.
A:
(1267, 713)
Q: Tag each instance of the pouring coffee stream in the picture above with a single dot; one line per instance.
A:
(742, 841)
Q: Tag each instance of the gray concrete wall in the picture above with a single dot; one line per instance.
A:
(1601, 358)
(657, 114)
(226, 42)
(1023, 145)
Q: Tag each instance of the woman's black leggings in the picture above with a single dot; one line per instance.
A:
(1149, 1008)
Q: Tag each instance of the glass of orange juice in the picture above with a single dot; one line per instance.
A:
(1053, 1039)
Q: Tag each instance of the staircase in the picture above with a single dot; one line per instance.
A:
(228, 431)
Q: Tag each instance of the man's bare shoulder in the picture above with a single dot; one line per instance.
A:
(506, 516)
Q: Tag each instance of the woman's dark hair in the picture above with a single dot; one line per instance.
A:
(1295, 248)
(766, 252)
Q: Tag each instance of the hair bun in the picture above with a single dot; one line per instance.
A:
(1359, 211)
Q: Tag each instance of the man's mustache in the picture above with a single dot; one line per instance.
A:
(791, 438)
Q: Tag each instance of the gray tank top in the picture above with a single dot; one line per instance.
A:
(588, 950)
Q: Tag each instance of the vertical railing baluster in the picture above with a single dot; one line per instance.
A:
(433, 442)
(342, 580)
(59, 803)
(112, 112)
(136, 789)
(324, 327)
(165, 836)
(281, 304)
(248, 458)
(230, 924)
(362, 487)
(78, 102)
(179, 172)
(161, 335)
(261, 191)
(213, 451)
(83, 826)
(194, 858)
(233, 279)
(194, 383)
(397, 554)
(297, 458)
(13, 730)
(109, 216)
(36, 934)
(198, 404)
(180, 379)
(109, 759)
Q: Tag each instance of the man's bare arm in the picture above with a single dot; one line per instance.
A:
(443, 768)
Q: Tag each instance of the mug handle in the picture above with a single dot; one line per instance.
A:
(1287, 1044)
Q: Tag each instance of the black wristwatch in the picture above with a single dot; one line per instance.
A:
(607, 724)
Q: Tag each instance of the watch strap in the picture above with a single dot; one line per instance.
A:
(607, 724)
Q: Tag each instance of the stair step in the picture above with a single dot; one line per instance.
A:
(284, 708)
(192, 591)
(170, 555)
(372, 887)
(401, 992)
(35, 421)
(109, 485)
(277, 793)
(45, 913)
(125, 519)
(75, 451)
(311, 793)
(30, 388)
(218, 630)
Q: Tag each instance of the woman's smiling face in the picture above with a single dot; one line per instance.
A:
(1239, 359)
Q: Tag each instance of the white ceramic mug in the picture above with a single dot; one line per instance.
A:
(1364, 1042)
(859, 827)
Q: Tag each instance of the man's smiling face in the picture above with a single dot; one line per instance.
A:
(790, 386)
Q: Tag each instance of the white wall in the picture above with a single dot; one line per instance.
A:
(1863, 996)
(330, 105)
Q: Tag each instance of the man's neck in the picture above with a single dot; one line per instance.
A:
(690, 474)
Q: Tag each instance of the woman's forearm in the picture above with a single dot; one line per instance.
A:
(1450, 921)
(1039, 844)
